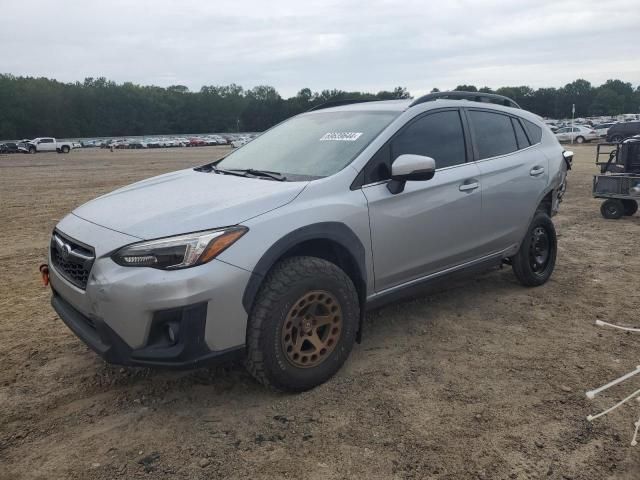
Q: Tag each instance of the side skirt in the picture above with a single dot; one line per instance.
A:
(422, 285)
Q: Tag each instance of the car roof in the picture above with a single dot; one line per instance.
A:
(402, 105)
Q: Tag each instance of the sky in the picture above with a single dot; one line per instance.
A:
(367, 45)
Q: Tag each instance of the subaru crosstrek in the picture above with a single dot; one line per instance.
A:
(276, 251)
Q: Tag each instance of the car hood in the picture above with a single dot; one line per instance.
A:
(186, 201)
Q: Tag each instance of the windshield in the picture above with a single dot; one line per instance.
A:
(311, 145)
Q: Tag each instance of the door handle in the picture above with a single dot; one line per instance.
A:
(535, 171)
(468, 187)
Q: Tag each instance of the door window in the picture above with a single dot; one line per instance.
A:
(437, 135)
(493, 133)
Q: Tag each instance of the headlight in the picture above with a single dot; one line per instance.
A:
(182, 251)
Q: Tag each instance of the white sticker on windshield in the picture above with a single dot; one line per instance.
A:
(341, 136)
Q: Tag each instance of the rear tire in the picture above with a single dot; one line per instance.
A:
(612, 209)
(536, 258)
(285, 349)
(630, 207)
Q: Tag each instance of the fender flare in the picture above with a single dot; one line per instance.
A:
(334, 231)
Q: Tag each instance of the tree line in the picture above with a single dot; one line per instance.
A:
(31, 107)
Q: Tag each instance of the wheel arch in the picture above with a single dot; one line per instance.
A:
(546, 203)
(331, 241)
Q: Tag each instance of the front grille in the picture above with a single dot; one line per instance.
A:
(71, 259)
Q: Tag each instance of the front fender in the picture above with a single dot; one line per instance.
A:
(333, 231)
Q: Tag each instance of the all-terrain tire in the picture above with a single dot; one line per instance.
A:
(630, 207)
(612, 209)
(536, 258)
(287, 282)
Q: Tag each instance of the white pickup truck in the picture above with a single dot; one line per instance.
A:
(48, 144)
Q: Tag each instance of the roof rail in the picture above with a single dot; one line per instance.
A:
(338, 103)
(470, 96)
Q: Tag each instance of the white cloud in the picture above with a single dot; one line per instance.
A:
(358, 44)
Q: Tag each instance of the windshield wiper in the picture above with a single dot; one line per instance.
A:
(222, 171)
(260, 173)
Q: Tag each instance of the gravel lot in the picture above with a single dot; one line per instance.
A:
(483, 379)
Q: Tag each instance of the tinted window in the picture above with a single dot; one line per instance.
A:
(494, 134)
(534, 131)
(523, 141)
(46, 140)
(437, 135)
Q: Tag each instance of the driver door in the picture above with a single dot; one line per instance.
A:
(434, 224)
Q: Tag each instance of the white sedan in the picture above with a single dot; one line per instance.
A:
(578, 134)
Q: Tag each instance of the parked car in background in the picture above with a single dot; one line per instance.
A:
(220, 140)
(239, 142)
(602, 128)
(137, 144)
(9, 147)
(578, 134)
(275, 256)
(620, 131)
(48, 144)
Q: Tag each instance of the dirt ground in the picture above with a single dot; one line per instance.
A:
(482, 380)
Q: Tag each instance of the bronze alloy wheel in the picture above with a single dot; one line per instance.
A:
(312, 329)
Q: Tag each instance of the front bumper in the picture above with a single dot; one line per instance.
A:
(190, 349)
(121, 310)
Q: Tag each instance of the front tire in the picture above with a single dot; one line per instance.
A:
(612, 209)
(617, 139)
(536, 258)
(579, 139)
(303, 324)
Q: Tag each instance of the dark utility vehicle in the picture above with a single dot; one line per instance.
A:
(9, 147)
(620, 131)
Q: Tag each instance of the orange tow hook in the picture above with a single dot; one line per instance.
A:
(44, 273)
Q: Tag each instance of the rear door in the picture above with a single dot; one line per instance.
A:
(513, 174)
(432, 224)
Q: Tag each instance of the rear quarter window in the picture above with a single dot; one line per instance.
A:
(533, 131)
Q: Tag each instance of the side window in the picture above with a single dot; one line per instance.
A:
(494, 134)
(437, 135)
(523, 141)
(46, 140)
(534, 131)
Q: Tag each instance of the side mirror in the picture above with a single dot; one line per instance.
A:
(409, 167)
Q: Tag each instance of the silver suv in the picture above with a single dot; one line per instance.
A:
(276, 251)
